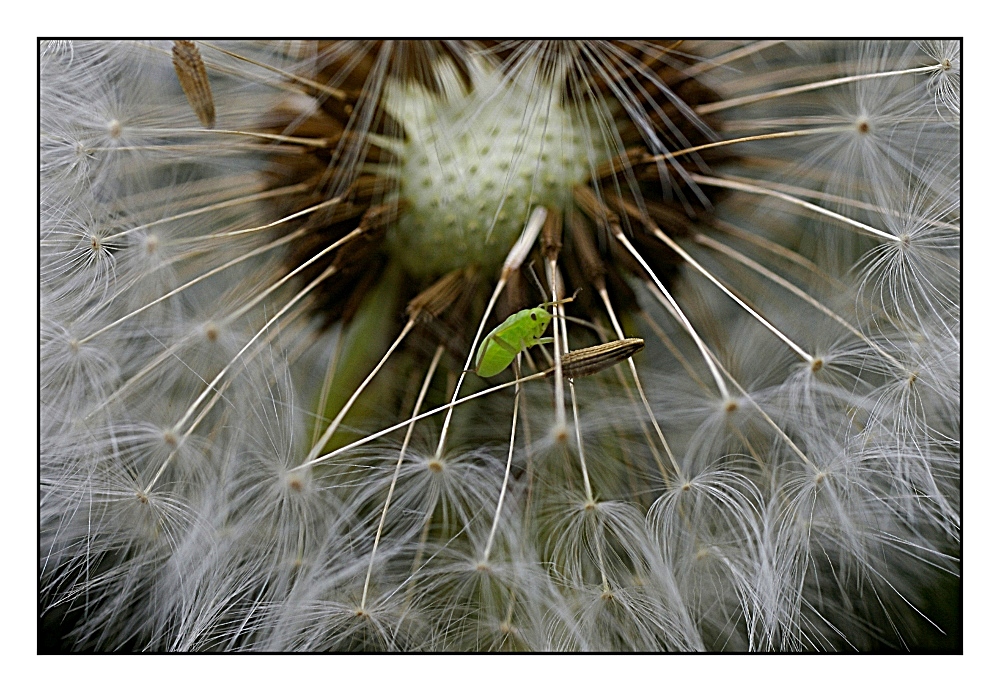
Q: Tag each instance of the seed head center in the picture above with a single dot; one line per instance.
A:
(474, 163)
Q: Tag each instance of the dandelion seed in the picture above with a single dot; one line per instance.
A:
(194, 81)
(594, 359)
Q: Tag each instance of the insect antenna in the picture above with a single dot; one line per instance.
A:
(538, 282)
(541, 288)
(562, 301)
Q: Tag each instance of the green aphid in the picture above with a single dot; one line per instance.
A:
(521, 330)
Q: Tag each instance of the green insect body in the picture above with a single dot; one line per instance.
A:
(521, 330)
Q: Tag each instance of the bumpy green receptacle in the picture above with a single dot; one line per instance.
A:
(476, 161)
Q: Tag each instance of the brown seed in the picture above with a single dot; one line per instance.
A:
(381, 215)
(435, 299)
(626, 160)
(552, 234)
(191, 73)
(593, 359)
(594, 208)
(585, 251)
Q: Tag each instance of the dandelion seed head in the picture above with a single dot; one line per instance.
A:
(261, 425)
(946, 82)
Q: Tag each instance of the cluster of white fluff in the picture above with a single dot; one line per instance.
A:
(796, 486)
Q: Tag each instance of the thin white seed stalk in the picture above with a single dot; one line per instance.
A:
(792, 288)
(672, 347)
(285, 340)
(425, 414)
(758, 190)
(183, 287)
(183, 438)
(513, 262)
(638, 385)
(226, 204)
(171, 351)
(801, 352)
(777, 250)
(664, 295)
(233, 262)
(529, 458)
(399, 462)
(510, 456)
(579, 444)
(298, 79)
(735, 54)
(707, 108)
(324, 393)
(795, 190)
(591, 505)
(749, 138)
(346, 408)
(770, 421)
(329, 271)
(284, 219)
(560, 400)
(285, 139)
(651, 444)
